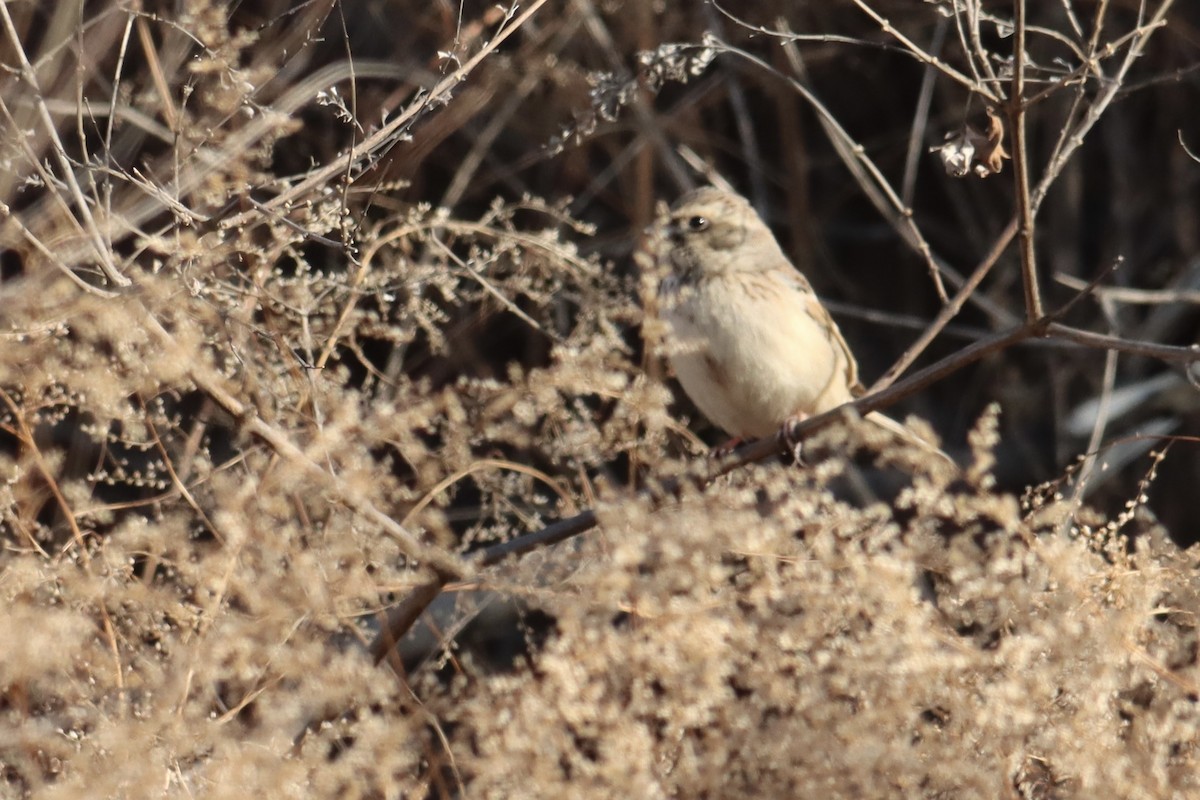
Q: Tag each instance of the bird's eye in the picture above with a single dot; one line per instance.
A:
(697, 223)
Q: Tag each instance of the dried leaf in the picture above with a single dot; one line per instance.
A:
(970, 151)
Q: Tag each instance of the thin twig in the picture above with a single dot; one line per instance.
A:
(949, 310)
(1162, 352)
(26, 438)
(443, 564)
(99, 245)
(912, 47)
(1133, 296)
(869, 177)
(400, 618)
(916, 135)
(385, 137)
(1072, 137)
(1099, 426)
(975, 13)
(1020, 157)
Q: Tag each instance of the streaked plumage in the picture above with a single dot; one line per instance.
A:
(747, 337)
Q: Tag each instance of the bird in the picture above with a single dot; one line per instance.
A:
(747, 338)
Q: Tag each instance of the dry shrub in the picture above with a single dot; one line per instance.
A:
(417, 333)
(768, 639)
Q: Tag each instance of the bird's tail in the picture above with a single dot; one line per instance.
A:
(901, 432)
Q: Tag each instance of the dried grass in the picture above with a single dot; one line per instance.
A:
(368, 331)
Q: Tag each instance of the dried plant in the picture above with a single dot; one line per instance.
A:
(322, 330)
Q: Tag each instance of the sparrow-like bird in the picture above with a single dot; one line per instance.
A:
(748, 339)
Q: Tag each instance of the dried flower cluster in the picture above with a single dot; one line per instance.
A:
(297, 306)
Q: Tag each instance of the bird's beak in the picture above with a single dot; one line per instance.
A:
(673, 231)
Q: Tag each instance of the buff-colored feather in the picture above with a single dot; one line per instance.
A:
(747, 337)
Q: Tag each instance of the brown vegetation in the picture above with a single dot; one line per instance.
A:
(305, 304)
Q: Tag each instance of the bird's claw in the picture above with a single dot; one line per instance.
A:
(726, 449)
(795, 446)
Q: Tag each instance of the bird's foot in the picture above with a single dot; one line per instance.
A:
(726, 449)
(794, 446)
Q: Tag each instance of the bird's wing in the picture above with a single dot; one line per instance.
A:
(818, 312)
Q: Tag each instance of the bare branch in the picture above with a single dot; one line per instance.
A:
(1020, 155)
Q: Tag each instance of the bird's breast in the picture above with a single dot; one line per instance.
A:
(748, 352)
